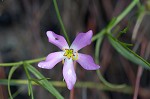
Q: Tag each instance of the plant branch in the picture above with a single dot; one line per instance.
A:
(92, 85)
(21, 62)
(117, 20)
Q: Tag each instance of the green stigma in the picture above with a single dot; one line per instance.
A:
(69, 53)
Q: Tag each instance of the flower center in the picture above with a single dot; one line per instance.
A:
(69, 53)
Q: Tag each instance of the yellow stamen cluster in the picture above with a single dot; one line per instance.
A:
(69, 53)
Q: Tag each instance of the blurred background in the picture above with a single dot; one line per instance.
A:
(23, 26)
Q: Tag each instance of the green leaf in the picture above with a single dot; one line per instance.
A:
(128, 53)
(12, 70)
(30, 90)
(47, 85)
(125, 44)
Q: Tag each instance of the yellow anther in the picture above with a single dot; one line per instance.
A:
(75, 57)
(68, 53)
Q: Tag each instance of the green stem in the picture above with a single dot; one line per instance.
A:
(60, 21)
(117, 20)
(21, 62)
(124, 13)
(98, 43)
(101, 33)
(12, 70)
(92, 85)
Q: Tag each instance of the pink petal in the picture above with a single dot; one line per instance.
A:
(87, 62)
(51, 60)
(57, 40)
(69, 73)
(82, 40)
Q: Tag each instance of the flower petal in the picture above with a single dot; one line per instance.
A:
(57, 40)
(87, 62)
(82, 40)
(51, 60)
(69, 73)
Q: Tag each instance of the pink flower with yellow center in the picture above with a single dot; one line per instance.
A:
(68, 55)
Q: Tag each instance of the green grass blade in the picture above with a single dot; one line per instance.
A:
(44, 82)
(128, 53)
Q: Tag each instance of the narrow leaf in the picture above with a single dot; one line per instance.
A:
(47, 85)
(128, 53)
(30, 90)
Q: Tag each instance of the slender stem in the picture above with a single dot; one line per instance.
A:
(125, 12)
(101, 33)
(92, 85)
(117, 20)
(21, 62)
(98, 43)
(60, 21)
(110, 85)
(35, 60)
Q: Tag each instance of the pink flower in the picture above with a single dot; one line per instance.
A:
(68, 55)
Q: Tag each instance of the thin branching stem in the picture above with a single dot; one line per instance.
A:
(117, 20)
(92, 85)
(60, 21)
(21, 62)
